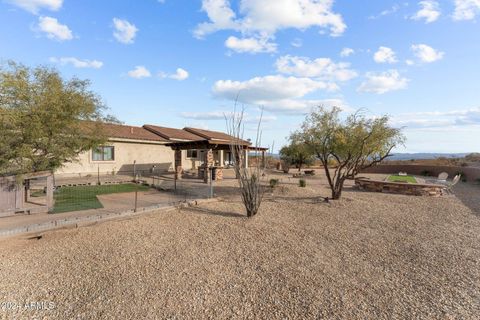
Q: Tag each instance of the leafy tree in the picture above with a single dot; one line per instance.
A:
(297, 154)
(354, 144)
(45, 120)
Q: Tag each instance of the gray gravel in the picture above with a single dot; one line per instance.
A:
(369, 256)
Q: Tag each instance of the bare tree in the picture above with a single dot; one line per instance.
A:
(249, 177)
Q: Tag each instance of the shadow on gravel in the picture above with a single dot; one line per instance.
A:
(469, 195)
(276, 198)
(216, 213)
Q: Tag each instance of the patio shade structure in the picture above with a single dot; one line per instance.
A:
(209, 145)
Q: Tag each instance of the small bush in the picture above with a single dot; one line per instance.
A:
(273, 183)
(463, 176)
(302, 183)
(426, 173)
(464, 164)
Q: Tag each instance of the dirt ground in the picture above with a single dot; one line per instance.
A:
(367, 256)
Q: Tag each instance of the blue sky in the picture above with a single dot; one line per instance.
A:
(182, 63)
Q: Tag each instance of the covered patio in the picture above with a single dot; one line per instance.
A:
(216, 155)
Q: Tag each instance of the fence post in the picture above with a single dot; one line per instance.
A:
(98, 174)
(211, 181)
(175, 180)
(136, 197)
(134, 170)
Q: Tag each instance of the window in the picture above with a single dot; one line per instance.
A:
(103, 153)
(192, 153)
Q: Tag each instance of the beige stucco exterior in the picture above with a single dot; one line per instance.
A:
(150, 157)
(146, 154)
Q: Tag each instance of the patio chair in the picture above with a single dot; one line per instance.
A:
(442, 178)
(455, 180)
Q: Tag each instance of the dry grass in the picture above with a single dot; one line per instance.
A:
(368, 256)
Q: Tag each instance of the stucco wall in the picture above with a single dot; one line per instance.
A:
(146, 155)
(471, 174)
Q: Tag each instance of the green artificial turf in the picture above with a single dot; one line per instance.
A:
(85, 197)
(397, 178)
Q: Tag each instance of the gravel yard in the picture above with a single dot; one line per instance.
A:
(368, 256)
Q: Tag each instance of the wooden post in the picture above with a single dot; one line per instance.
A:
(175, 179)
(177, 167)
(136, 197)
(220, 155)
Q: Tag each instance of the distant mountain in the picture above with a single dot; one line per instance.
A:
(405, 156)
(425, 156)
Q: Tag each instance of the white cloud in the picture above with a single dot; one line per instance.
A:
(297, 43)
(213, 115)
(272, 92)
(321, 68)
(268, 88)
(466, 9)
(125, 31)
(426, 53)
(180, 75)
(462, 117)
(77, 63)
(220, 115)
(302, 106)
(250, 45)
(409, 62)
(139, 72)
(385, 55)
(263, 18)
(383, 82)
(386, 12)
(34, 6)
(346, 52)
(430, 11)
(54, 29)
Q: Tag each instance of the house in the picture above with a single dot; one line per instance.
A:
(152, 149)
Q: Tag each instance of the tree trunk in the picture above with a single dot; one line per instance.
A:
(337, 189)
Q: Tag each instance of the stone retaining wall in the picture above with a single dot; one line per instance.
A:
(470, 173)
(415, 189)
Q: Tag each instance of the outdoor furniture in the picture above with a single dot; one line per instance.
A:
(455, 180)
(442, 177)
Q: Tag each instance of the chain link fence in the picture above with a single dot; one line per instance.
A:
(124, 190)
(94, 196)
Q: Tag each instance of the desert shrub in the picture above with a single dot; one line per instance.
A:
(463, 176)
(302, 183)
(464, 164)
(426, 173)
(273, 183)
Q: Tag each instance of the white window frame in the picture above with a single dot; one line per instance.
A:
(103, 160)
